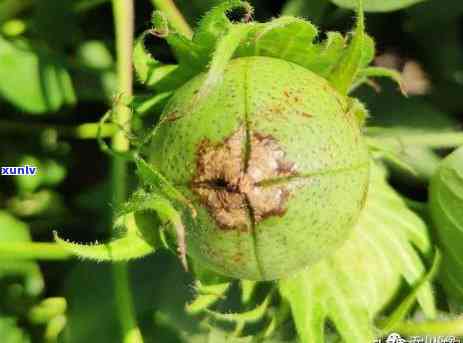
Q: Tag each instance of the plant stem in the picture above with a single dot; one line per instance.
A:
(33, 250)
(81, 131)
(124, 27)
(433, 328)
(434, 140)
(174, 16)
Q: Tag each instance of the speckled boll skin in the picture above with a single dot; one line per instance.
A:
(274, 162)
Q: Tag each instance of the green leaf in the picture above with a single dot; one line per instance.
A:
(345, 72)
(11, 231)
(401, 311)
(186, 51)
(378, 5)
(144, 63)
(131, 245)
(353, 286)
(32, 79)
(397, 117)
(286, 37)
(446, 206)
(215, 23)
(157, 76)
(141, 236)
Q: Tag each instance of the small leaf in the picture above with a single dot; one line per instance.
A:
(378, 5)
(152, 73)
(401, 311)
(215, 23)
(353, 285)
(345, 72)
(131, 245)
(446, 206)
(292, 39)
(32, 79)
(287, 38)
(165, 77)
(144, 63)
(184, 48)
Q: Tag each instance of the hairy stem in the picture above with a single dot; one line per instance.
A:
(34, 250)
(174, 16)
(124, 26)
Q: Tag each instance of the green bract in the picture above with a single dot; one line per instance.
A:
(274, 162)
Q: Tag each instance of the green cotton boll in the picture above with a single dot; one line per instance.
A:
(272, 158)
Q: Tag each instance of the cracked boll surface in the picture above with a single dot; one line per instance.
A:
(274, 162)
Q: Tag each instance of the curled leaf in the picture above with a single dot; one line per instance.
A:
(127, 247)
(207, 296)
(446, 206)
(352, 287)
(345, 72)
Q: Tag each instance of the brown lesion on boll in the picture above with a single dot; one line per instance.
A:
(229, 179)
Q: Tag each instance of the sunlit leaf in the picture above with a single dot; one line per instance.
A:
(215, 23)
(131, 245)
(355, 56)
(352, 286)
(446, 205)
